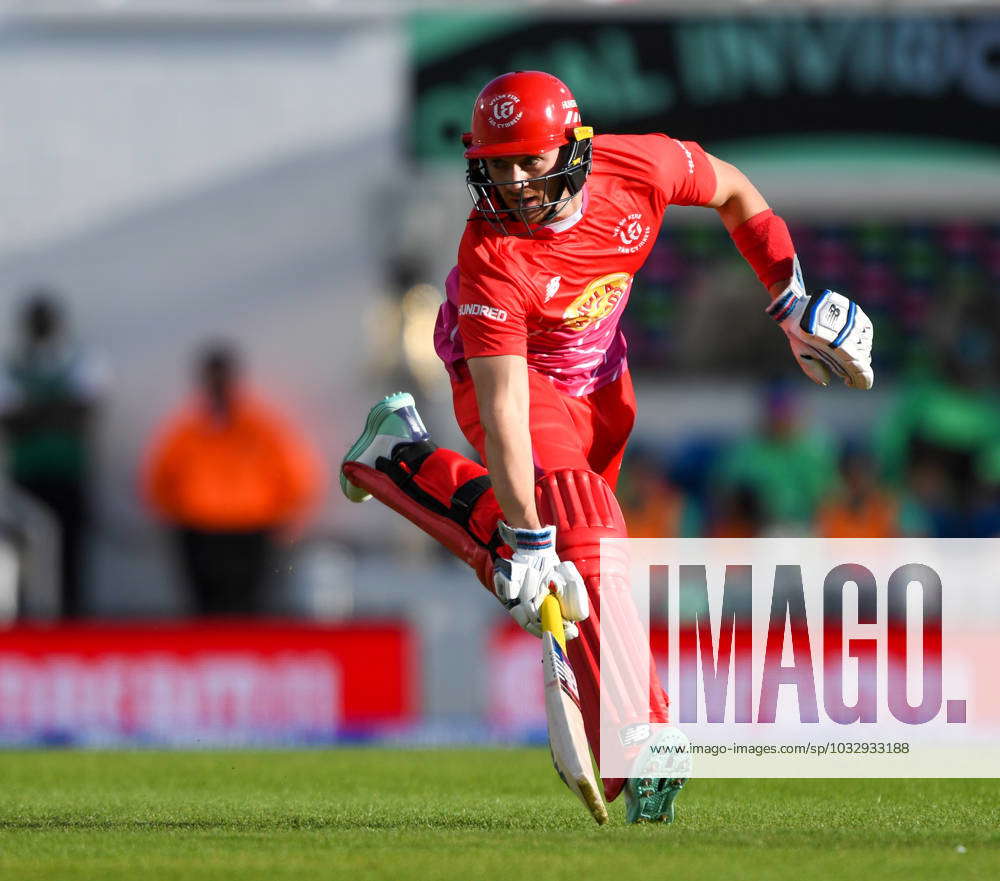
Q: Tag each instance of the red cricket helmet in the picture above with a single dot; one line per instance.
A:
(520, 113)
(526, 111)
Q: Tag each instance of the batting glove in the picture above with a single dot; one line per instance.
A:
(532, 573)
(829, 334)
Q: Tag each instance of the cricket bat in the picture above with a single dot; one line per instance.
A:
(567, 738)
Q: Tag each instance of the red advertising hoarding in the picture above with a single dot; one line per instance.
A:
(516, 705)
(205, 683)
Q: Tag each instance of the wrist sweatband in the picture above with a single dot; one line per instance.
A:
(765, 243)
(519, 539)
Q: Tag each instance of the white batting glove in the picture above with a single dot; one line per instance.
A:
(829, 334)
(533, 571)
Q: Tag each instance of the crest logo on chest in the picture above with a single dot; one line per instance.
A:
(631, 234)
(599, 299)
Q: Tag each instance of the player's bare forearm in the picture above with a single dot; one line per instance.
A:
(737, 200)
(501, 383)
(512, 474)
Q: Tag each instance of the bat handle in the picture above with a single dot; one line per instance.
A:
(552, 621)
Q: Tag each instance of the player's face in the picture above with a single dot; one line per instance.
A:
(519, 190)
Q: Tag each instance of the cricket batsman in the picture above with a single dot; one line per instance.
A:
(562, 220)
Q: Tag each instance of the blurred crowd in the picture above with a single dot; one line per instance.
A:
(229, 479)
(930, 466)
(925, 285)
(225, 474)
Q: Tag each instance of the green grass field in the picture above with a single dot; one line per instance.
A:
(490, 814)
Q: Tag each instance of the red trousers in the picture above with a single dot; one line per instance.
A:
(585, 434)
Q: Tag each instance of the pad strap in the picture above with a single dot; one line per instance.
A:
(431, 516)
(465, 497)
(407, 460)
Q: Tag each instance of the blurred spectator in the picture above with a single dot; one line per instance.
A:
(937, 442)
(652, 505)
(228, 475)
(737, 513)
(986, 520)
(860, 507)
(50, 389)
(777, 477)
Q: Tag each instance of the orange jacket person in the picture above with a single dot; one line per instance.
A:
(228, 473)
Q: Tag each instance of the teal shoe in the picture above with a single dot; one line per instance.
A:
(659, 773)
(393, 420)
(651, 799)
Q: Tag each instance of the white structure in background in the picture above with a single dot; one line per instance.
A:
(29, 554)
(188, 183)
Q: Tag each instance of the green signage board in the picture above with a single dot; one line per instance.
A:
(929, 79)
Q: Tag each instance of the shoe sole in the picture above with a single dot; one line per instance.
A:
(383, 408)
(657, 806)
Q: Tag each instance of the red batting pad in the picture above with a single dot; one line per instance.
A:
(584, 509)
(437, 526)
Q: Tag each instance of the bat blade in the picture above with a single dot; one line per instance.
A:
(567, 738)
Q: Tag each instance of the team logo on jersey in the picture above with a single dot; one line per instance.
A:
(552, 288)
(503, 110)
(491, 312)
(687, 152)
(631, 234)
(599, 299)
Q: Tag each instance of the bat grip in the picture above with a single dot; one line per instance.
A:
(552, 621)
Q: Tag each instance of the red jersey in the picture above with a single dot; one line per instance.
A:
(558, 298)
